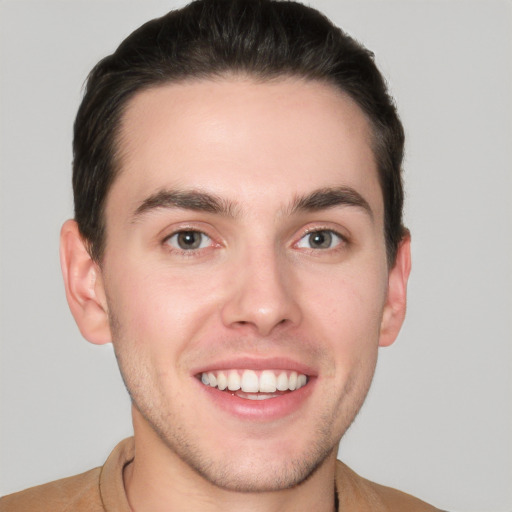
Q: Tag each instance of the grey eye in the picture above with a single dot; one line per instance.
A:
(189, 240)
(323, 239)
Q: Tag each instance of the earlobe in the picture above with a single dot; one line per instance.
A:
(84, 286)
(396, 302)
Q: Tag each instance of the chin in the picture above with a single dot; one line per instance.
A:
(248, 472)
(247, 464)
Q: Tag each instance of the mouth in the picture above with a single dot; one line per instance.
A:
(254, 384)
(258, 390)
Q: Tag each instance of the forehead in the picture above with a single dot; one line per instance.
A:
(260, 141)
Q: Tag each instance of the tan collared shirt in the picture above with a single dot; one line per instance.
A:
(102, 490)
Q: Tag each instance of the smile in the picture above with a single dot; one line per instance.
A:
(255, 385)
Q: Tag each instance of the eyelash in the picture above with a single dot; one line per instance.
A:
(341, 242)
(193, 251)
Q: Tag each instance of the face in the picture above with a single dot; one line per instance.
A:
(245, 275)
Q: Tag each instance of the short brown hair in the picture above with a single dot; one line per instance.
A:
(209, 38)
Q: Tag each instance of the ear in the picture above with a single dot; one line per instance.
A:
(84, 286)
(396, 302)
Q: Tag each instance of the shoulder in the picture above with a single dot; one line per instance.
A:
(357, 493)
(76, 493)
(96, 490)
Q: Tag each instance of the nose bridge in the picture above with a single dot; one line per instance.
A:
(262, 292)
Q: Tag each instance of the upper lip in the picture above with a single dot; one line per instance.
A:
(256, 363)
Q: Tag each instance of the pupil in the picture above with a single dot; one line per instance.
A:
(321, 239)
(189, 240)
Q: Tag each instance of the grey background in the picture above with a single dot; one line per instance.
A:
(438, 420)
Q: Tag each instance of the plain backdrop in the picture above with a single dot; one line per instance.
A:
(438, 420)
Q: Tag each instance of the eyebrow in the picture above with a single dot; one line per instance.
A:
(330, 197)
(320, 199)
(187, 200)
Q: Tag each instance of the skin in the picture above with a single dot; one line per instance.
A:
(257, 287)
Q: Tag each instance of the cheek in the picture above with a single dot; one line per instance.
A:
(349, 302)
(347, 311)
(158, 307)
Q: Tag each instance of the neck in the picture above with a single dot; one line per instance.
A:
(159, 481)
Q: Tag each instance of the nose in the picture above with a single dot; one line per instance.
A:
(262, 295)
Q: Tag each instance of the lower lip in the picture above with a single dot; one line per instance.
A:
(260, 410)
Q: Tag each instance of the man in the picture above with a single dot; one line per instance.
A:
(238, 238)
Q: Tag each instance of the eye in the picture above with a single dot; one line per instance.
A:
(189, 240)
(323, 239)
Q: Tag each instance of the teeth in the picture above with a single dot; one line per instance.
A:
(292, 382)
(257, 396)
(222, 381)
(268, 381)
(249, 381)
(282, 382)
(233, 380)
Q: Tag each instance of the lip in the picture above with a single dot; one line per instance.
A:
(272, 409)
(257, 364)
(259, 410)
